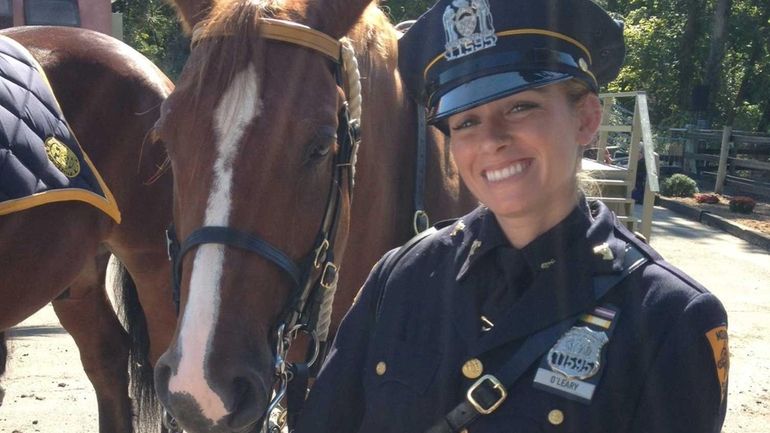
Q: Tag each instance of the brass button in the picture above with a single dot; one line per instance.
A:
(381, 368)
(556, 417)
(473, 368)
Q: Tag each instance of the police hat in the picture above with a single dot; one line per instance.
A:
(464, 53)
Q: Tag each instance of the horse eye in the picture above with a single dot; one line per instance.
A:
(323, 141)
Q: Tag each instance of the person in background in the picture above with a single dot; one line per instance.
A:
(538, 311)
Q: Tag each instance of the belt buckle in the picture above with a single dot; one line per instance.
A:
(495, 385)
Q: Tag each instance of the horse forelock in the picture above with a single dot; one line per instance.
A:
(231, 30)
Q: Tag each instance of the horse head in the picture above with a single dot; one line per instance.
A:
(260, 131)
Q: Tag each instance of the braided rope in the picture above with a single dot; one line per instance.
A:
(353, 92)
(350, 64)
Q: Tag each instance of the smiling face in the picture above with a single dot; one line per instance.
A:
(519, 154)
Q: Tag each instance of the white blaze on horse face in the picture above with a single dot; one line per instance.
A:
(237, 108)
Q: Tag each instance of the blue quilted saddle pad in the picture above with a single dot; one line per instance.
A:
(40, 159)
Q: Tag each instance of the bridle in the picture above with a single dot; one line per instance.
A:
(314, 278)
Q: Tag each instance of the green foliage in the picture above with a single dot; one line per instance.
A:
(151, 27)
(654, 31)
(402, 10)
(678, 185)
(650, 64)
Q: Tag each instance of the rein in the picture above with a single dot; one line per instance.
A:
(314, 278)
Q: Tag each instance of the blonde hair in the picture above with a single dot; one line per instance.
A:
(586, 184)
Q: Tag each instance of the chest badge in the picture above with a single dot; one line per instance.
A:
(468, 27)
(575, 364)
(577, 354)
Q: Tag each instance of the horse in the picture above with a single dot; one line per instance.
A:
(111, 97)
(259, 131)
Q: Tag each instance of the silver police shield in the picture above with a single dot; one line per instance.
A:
(468, 27)
(577, 353)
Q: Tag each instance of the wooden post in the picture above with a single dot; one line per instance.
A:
(725, 150)
(653, 168)
(633, 149)
(688, 165)
(648, 205)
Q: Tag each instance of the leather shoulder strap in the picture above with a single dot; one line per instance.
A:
(392, 260)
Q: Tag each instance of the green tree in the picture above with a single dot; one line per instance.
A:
(668, 50)
(402, 10)
(151, 27)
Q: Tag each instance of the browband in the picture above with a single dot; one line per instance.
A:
(285, 31)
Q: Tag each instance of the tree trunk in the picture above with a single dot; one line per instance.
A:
(687, 52)
(764, 122)
(716, 53)
(750, 70)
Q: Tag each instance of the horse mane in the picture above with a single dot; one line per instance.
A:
(232, 31)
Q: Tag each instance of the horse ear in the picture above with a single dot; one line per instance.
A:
(336, 17)
(191, 12)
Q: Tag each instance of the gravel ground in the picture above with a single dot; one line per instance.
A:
(47, 391)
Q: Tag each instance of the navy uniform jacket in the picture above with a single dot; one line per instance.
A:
(663, 369)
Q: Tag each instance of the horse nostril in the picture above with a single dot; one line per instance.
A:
(250, 402)
(162, 377)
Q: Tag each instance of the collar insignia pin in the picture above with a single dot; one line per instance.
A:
(468, 27)
(474, 246)
(604, 251)
(459, 227)
(548, 264)
(486, 324)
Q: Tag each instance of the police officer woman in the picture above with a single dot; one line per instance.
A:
(538, 311)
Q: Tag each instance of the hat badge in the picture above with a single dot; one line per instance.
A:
(468, 27)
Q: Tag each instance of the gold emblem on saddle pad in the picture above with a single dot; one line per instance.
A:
(62, 157)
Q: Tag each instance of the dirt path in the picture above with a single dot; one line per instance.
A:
(48, 392)
(46, 389)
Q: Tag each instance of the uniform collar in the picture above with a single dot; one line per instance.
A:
(606, 250)
(590, 249)
(538, 254)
